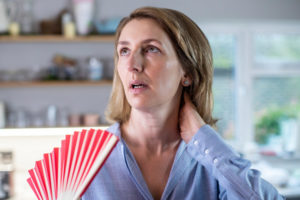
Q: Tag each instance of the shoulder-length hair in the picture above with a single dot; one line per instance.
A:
(193, 52)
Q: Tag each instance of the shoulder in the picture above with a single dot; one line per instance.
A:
(114, 129)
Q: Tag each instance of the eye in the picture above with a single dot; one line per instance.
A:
(124, 51)
(151, 49)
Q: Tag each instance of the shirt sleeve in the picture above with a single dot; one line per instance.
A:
(236, 179)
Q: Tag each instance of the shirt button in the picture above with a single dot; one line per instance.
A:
(206, 151)
(196, 142)
(215, 160)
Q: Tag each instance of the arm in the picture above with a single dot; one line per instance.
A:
(233, 173)
(236, 179)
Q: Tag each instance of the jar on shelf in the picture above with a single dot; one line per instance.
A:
(95, 69)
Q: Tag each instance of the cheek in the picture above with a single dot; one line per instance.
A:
(173, 71)
(121, 74)
(121, 71)
(169, 80)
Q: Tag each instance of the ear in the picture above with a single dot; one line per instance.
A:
(186, 81)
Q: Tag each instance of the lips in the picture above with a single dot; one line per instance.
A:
(137, 86)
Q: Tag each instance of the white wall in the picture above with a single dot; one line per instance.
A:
(197, 9)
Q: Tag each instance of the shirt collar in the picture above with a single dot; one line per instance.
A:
(181, 162)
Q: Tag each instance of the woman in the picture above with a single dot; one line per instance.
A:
(162, 105)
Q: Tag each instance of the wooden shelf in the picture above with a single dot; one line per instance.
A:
(18, 84)
(55, 38)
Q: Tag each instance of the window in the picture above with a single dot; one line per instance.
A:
(277, 49)
(223, 47)
(257, 72)
(276, 98)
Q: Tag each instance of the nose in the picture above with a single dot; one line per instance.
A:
(136, 61)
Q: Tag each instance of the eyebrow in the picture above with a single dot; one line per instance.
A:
(144, 41)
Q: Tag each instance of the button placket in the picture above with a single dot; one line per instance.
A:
(215, 161)
(206, 151)
(196, 142)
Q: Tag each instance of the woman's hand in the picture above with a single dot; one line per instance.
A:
(189, 119)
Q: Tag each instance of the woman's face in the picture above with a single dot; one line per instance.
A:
(148, 66)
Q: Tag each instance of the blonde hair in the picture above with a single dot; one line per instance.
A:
(193, 52)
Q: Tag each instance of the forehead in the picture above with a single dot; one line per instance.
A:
(142, 29)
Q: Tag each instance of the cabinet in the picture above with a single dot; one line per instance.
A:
(71, 97)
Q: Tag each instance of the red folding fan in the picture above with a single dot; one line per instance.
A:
(65, 173)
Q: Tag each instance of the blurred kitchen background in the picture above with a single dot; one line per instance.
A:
(56, 67)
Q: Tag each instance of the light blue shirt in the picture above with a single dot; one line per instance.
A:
(205, 168)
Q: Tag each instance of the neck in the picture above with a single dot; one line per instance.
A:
(156, 130)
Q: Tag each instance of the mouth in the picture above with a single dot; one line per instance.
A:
(137, 85)
(134, 86)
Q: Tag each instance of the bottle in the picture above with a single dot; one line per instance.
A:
(14, 29)
(26, 20)
(83, 12)
(51, 116)
(3, 17)
(95, 69)
(13, 14)
(2, 115)
(68, 26)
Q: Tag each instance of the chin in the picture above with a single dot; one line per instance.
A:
(140, 104)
